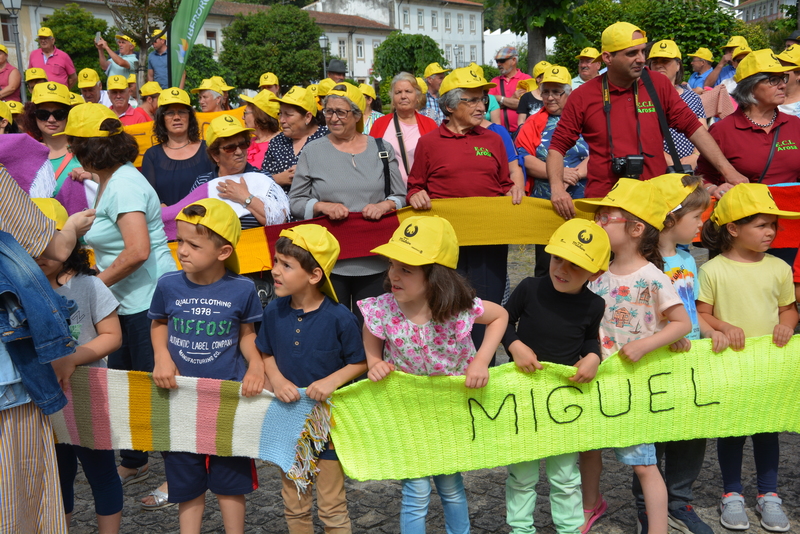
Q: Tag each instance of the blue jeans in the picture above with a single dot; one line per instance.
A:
(417, 495)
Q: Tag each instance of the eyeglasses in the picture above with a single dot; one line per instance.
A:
(554, 94)
(58, 114)
(230, 149)
(472, 102)
(604, 219)
(777, 79)
(341, 114)
(179, 112)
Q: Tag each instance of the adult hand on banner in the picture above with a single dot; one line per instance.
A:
(420, 200)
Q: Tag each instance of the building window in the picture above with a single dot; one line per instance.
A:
(472, 24)
(434, 20)
(406, 17)
(448, 53)
(342, 49)
(5, 22)
(360, 49)
(420, 19)
(473, 53)
(460, 19)
(447, 22)
(211, 40)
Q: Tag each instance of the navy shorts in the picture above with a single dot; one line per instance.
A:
(190, 475)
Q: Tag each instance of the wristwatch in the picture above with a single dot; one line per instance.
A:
(248, 200)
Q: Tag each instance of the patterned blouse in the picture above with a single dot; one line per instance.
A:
(280, 154)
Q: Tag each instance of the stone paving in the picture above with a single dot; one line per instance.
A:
(375, 506)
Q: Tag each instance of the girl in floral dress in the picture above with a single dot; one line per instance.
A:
(422, 327)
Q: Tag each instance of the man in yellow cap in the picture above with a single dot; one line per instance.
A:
(209, 96)
(701, 65)
(120, 92)
(33, 77)
(56, 63)
(149, 94)
(91, 89)
(157, 60)
(506, 91)
(434, 74)
(588, 68)
(617, 118)
(269, 81)
(732, 53)
(10, 78)
(121, 63)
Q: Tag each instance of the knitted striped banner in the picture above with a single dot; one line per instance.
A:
(111, 409)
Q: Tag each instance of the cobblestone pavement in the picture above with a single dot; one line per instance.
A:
(375, 506)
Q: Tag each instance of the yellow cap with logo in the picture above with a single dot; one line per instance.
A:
(423, 87)
(75, 99)
(174, 95)
(116, 83)
(464, 78)
(665, 48)
(744, 200)
(87, 78)
(298, 96)
(703, 53)
(356, 96)
(150, 89)
(50, 92)
(266, 101)
(268, 78)
(539, 69)
(735, 42)
(422, 240)
(156, 32)
(132, 78)
(322, 246)
(324, 86)
(791, 55)
(583, 243)
(219, 80)
(224, 126)
(221, 219)
(761, 61)
(85, 121)
(641, 198)
(44, 32)
(209, 85)
(556, 74)
(367, 90)
(672, 190)
(126, 38)
(619, 36)
(434, 68)
(5, 112)
(15, 107)
(35, 74)
(53, 210)
(588, 52)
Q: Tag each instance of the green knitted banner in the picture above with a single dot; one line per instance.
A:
(409, 426)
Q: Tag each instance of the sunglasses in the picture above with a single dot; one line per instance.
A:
(58, 114)
(230, 149)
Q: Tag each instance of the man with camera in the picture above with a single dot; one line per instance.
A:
(617, 117)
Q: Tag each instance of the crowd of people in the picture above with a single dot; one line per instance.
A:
(318, 322)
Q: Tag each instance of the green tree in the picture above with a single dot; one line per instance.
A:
(74, 29)
(283, 40)
(402, 52)
(202, 65)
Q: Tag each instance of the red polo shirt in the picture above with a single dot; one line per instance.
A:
(58, 66)
(747, 148)
(5, 72)
(450, 165)
(509, 85)
(583, 114)
(132, 115)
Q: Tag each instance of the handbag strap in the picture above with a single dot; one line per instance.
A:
(505, 109)
(384, 155)
(399, 134)
(662, 121)
(771, 152)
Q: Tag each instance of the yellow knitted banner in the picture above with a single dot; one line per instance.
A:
(409, 426)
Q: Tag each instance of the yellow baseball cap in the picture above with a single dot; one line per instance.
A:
(87, 78)
(50, 92)
(224, 126)
(434, 68)
(324, 86)
(15, 107)
(703, 53)
(53, 210)
(126, 38)
(85, 121)
(44, 32)
(744, 200)
(298, 96)
(641, 198)
(156, 32)
(464, 78)
(791, 55)
(671, 189)
(529, 84)
(423, 87)
(75, 99)
(132, 78)
(322, 246)
(116, 82)
(539, 69)
(35, 74)
(759, 61)
(356, 96)
(266, 101)
(741, 51)
(209, 85)
(221, 82)
(422, 240)
(589, 52)
(268, 78)
(174, 95)
(367, 90)
(665, 48)
(3, 49)
(219, 218)
(735, 42)
(5, 112)
(556, 74)
(583, 243)
(151, 88)
(619, 36)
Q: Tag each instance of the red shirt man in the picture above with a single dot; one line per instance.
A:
(56, 63)
(506, 91)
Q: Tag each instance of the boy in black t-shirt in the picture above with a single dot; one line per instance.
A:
(557, 320)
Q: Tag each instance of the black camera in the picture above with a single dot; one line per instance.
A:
(629, 166)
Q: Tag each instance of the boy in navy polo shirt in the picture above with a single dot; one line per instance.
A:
(203, 326)
(310, 341)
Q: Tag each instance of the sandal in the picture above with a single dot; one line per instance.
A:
(141, 474)
(159, 499)
(597, 512)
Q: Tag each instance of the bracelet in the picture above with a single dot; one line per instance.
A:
(502, 99)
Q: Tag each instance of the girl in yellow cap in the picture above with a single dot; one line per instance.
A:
(742, 228)
(422, 327)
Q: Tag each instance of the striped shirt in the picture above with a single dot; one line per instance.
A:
(20, 217)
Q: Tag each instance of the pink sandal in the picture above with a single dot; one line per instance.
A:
(597, 512)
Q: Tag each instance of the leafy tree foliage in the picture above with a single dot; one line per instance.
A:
(202, 65)
(283, 40)
(402, 52)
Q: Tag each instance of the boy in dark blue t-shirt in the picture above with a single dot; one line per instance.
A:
(203, 326)
(309, 341)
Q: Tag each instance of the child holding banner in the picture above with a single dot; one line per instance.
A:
(742, 227)
(411, 329)
(643, 313)
(557, 320)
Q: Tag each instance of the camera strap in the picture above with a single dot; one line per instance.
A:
(607, 111)
(505, 109)
(771, 153)
(662, 121)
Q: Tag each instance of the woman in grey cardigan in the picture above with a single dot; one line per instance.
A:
(343, 172)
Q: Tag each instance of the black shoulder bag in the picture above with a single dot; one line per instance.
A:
(399, 134)
(505, 109)
(384, 155)
(676, 166)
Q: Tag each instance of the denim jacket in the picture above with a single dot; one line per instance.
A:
(33, 325)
